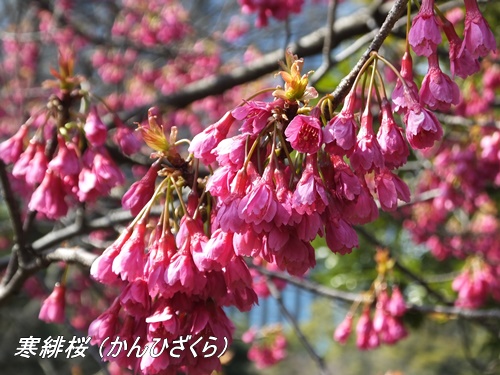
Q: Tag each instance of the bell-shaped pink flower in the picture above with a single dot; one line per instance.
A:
(66, 162)
(462, 63)
(438, 91)
(260, 203)
(205, 142)
(304, 134)
(367, 154)
(341, 237)
(339, 134)
(390, 138)
(108, 174)
(365, 209)
(239, 284)
(158, 259)
(135, 298)
(394, 331)
(247, 242)
(478, 37)
(405, 93)
(422, 127)
(48, 198)
(425, 35)
(105, 325)
(101, 269)
(346, 183)
(95, 130)
(182, 274)
(21, 165)
(232, 151)
(396, 305)
(343, 330)
(127, 139)
(141, 191)
(255, 116)
(129, 263)
(390, 188)
(219, 247)
(163, 321)
(52, 310)
(12, 148)
(310, 194)
(296, 256)
(37, 166)
(366, 337)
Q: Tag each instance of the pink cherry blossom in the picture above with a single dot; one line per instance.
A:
(367, 154)
(66, 162)
(141, 191)
(340, 133)
(310, 193)
(405, 93)
(390, 188)
(127, 139)
(12, 148)
(343, 330)
(129, 263)
(304, 134)
(366, 337)
(340, 236)
(260, 202)
(205, 142)
(390, 138)
(48, 198)
(105, 325)
(37, 166)
(438, 91)
(52, 310)
(462, 63)
(422, 127)
(478, 37)
(95, 130)
(396, 305)
(135, 298)
(424, 34)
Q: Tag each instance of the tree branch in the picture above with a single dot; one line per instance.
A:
(346, 84)
(311, 44)
(335, 294)
(15, 216)
(303, 339)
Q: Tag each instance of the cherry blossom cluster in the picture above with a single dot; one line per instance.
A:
(386, 325)
(462, 172)
(59, 158)
(174, 277)
(268, 345)
(152, 23)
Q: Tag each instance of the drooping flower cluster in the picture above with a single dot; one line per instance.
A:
(385, 327)
(176, 276)
(268, 345)
(60, 157)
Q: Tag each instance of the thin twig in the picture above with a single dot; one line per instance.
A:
(403, 269)
(346, 84)
(335, 294)
(328, 42)
(305, 342)
(15, 216)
